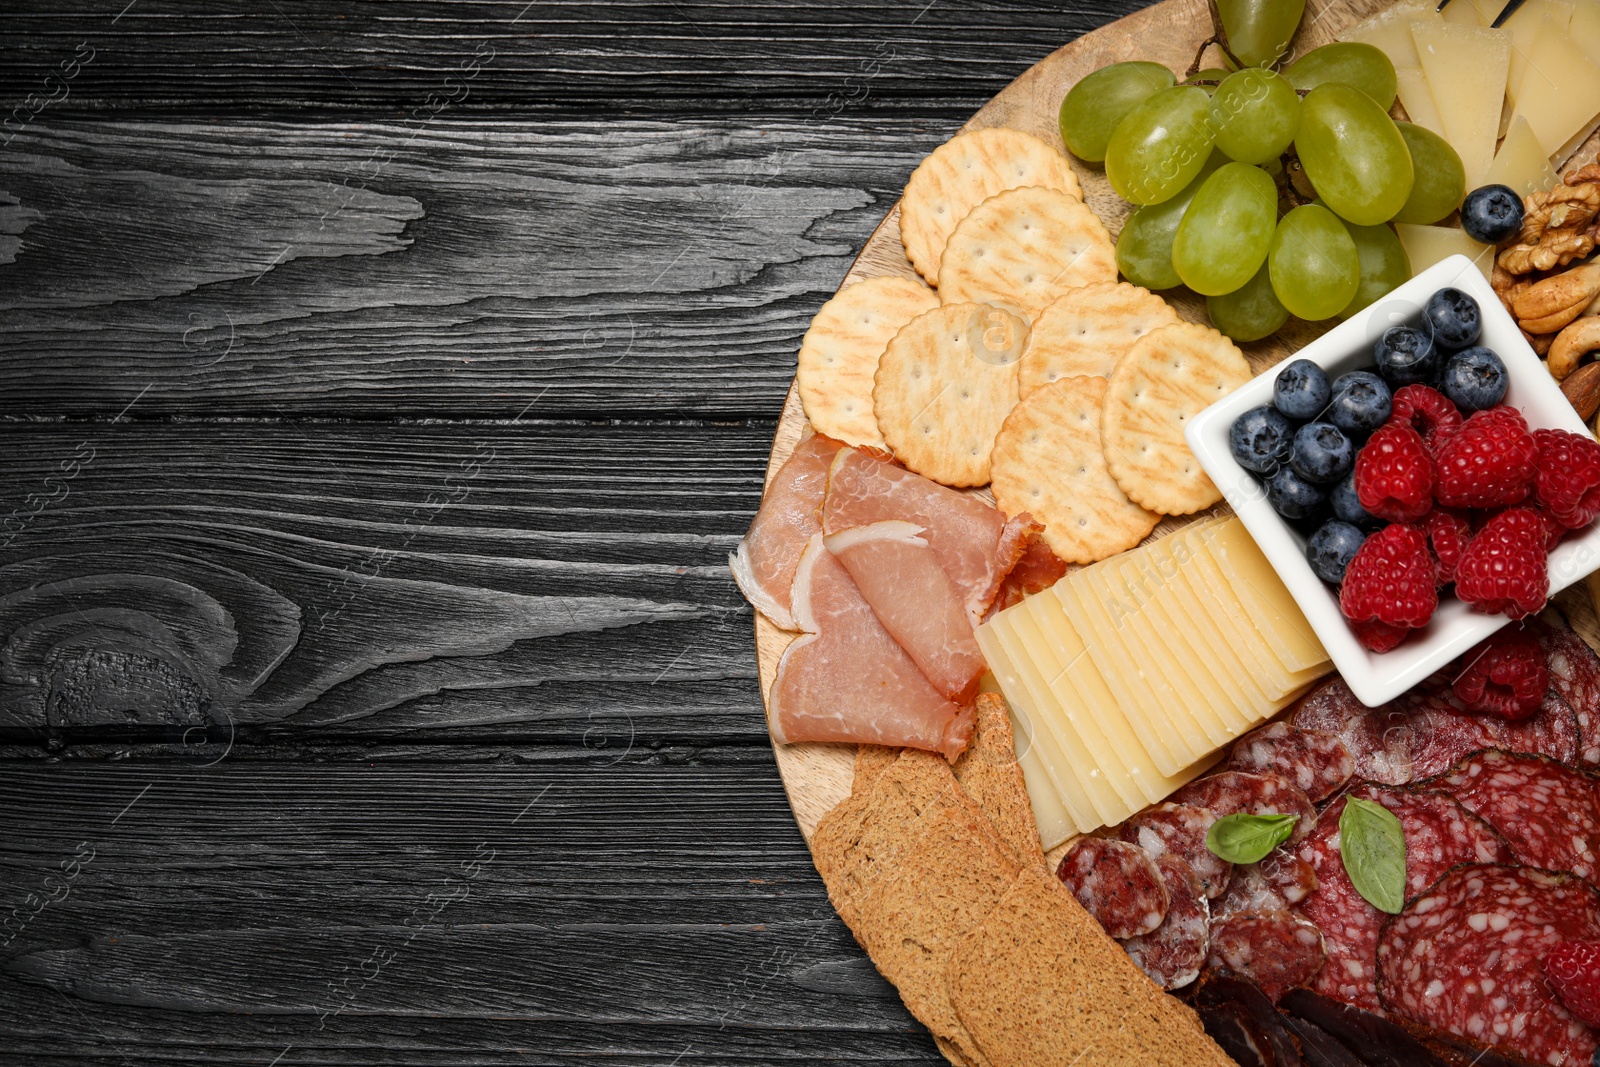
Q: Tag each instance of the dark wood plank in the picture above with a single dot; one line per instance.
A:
(470, 269)
(543, 582)
(636, 913)
(896, 57)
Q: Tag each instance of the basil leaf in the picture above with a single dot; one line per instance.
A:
(1247, 838)
(1374, 850)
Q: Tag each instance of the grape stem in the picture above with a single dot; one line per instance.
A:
(1219, 37)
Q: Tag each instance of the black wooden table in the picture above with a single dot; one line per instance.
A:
(382, 387)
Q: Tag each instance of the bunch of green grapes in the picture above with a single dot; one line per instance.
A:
(1205, 162)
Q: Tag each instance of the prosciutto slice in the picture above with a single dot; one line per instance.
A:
(897, 573)
(764, 564)
(974, 543)
(846, 679)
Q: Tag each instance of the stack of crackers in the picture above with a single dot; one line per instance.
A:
(938, 872)
(1017, 360)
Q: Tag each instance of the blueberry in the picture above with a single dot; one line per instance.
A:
(1321, 453)
(1406, 356)
(1292, 496)
(1260, 439)
(1347, 505)
(1360, 404)
(1454, 317)
(1475, 379)
(1491, 214)
(1331, 549)
(1301, 390)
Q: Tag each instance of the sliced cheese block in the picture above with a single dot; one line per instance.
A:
(1415, 96)
(1270, 605)
(1524, 27)
(1466, 68)
(1521, 163)
(1049, 813)
(1560, 90)
(1427, 245)
(1389, 31)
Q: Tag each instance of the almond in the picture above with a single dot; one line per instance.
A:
(1582, 389)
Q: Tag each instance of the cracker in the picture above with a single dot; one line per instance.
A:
(943, 886)
(964, 172)
(1168, 377)
(944, 385)
(989, 773)
(1038, 982)
(1086, 330)
(1048, 462)
(1024, 248)
(840, 353)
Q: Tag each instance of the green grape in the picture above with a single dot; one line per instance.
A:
(1144, 247)
(1255, 114)
(1223, 238)
(1092, 108)
(1259, 30)
(1315, 267)
(1350, 63)
(1353, 154)
(1441, 181)
(1251, 312)
(1210, 74)
(1384, 265)
(1160, 146)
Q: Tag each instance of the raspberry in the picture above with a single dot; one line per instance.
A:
(1378, 636)
(1489, 462)
(1394, 474)
(1504, 569)
(1573, 968)
(1505, 675)
(1568, 483)
(1429, 412)
(1448, 533)
(1391, 579)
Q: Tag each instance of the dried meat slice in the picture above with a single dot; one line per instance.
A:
(1439, 833)
(1546, 810)
(974, 543)
(1466, 957)
(846, 679)
(1276, 883)
(896, 571)
(1575, 674)
(1376, 738)
(1316, 761)
(1231, 792)
(1173, 953)
(766, 559)
(1117, 884)
(1037, 570)
(1276, 950)
(1180, 830)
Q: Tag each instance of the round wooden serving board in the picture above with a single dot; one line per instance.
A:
(817, 776)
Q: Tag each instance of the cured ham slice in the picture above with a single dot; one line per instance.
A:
(1037, 570)
(846, 679)
(898, 574)
(974, 543)
(765, 562)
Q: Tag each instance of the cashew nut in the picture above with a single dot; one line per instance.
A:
(1572, 344)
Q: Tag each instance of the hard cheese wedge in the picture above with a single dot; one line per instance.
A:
(1585, 29)
(1389, 31)
(1560, 90)
(1524, 27)
(1427, 245)
(1521, 163)
(1415, 96)
(1466, 68)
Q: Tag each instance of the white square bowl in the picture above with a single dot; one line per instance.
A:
(1379, 677)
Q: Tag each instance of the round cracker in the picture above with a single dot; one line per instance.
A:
(1169, 376)
(944, 385)
(964, 172)
(1023, 249)
(841, 350)
(1086, 330)
(1048, 462)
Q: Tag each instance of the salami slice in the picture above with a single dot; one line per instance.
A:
(1180, 830)
(1280, 880)
(1546, 810)
(1173, 953)
(1317, 762)
(1439, 834)
(1575, 674)
(1275, 950)
(1466, 958)
(1376, 738)
(1117, 884)
(1232, 792)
